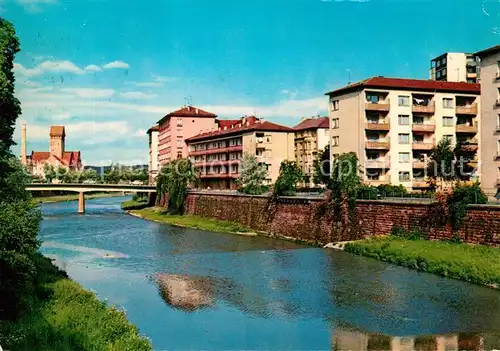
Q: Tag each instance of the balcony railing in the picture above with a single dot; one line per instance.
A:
(219, 175)
(464, 128)
(466, 110)
(422, 145)
(425, 128)
(382, 105)
(420, 183)
(384, 179)
(217, 150)
(419, 164)
(213, 163)
(384, 163)
(380, 125)
(470, 145)
(377, 144)
(430, 107)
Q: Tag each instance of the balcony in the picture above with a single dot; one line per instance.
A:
(423, 128)
(422, 145)
(470, 145)
(420, 183)
(216, 150)
(466, 110)
(383, 125)
(419, 164)
(218, 175)
(382, 105)
(430, 107)
(383, 163)
(464, 128)
(199, 164)
(496, 157)
(497, 103)
(377, 145)
(384, 179)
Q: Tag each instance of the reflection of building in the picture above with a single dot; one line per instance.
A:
(392, 125)
(454, 67)
(153, 153)
(57, 156)
(311, 137)
(490, 111)
(217, 154)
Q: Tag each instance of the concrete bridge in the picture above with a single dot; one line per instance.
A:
(81, 189)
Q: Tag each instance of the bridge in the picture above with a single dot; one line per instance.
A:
(81, 189)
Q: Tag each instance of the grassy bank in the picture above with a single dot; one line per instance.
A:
(475, 264)
(66, 317)
(134, 205)
(196, 222)
(72, 197)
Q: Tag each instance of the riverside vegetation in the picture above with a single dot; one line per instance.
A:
(40, 308)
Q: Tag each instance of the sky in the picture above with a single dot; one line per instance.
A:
(110, 69)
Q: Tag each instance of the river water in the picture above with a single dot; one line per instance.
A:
(190, 289)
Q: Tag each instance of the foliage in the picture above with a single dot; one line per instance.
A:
(441, 168)
(117, 173)
(322, 167)
(50, 172)
(388, 190)
(403, 233)
(290, 175)
(367, 192)
(476, 264)
(134, 204)
(252, 176)
(463, 155)
(66, 317)
(196, 222)
(173, 180)
(346, 180)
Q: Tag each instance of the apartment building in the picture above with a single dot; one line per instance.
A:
(153, 153)
(393, 124)
(217, 154)
(454, 67)
(489, 64)
(179, 125)
(312, 135)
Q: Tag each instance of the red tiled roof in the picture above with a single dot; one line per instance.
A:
(57, 131)
(227, 122)
(313, 123)
(254, 124)
(39, 156)
(154, 128)
(189, 111)
(409, 84)
(70, 158)
(488, 51)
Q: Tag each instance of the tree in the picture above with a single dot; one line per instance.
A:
(290, 175)
(441, 166)
(49, 171)
(252, 175)
(322, 167)
(173, 180)
(89, 174)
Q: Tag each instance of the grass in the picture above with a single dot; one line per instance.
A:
(66, 317)
(134, 204)
(476, 264)
(72, 197)
(196, 222)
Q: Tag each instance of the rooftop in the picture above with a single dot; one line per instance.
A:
(409, 84)
(489, 51)
(154, 128)
(69, 158)
(57, 131)
(313, 123)
(189, 111)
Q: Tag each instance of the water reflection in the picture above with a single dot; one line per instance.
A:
(350, 339)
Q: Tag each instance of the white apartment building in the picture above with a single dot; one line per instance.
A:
(454, 67)
(392, 125)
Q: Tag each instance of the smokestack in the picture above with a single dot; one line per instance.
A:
(23, 144)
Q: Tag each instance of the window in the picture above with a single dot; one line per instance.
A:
(403, 100)
(335, 141)
(448, 103)
(372, 155)
(335, 105)
(335, 123)
(403, 120)
(179, 122)
(444, 60)
(179, 130)
(447, 121)
(438, 74)
(404, 176)
(443, 72)
(404, 157)
(374, 99)
(404, 138)
(179, 143)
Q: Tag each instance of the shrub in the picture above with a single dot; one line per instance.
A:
(252, 176)
(290, 175)
(173, 180)
(388, 190)
(368, 192)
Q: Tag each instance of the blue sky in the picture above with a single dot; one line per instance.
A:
(109, 69)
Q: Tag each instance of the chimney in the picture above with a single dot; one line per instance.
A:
(23, 144)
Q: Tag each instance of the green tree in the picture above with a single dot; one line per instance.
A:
(112, 175)
(290, 175)
(322, 167)
(50, 172)
(441, 168)
(89, 174)
(252, 175)
(173, 180)
(61, 173)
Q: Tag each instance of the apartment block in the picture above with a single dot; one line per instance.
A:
(217, 154)
(489, 64)
(454, 67)
(392, 125)
(312, 135)
(153, 153)
(178, 126)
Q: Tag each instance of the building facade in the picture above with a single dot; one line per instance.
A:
(312, 135)
(489, 64)
(217, 154)
(178, 126)
(393, 124)
(153, 153)
(454, 67)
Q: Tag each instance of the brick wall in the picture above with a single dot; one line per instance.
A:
(305, 219)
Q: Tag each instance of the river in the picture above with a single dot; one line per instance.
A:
(190, 289)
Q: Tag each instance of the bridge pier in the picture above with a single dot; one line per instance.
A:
(81, 202)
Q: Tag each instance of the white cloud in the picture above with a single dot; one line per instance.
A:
(140, 133)
(137, 95)
(156, 82)
(90, 93)
(29, 83)
(116, 64)
(34, 5)
(62, 66)
(93, 68)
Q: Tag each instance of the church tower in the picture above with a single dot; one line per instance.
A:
(57, 136)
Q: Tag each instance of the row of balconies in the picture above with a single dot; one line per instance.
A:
(415, 145)
(226, 175)
(423, 128)
(430, 108)
(205, 163)
(216, 150)
(386, 179)
(385, 163)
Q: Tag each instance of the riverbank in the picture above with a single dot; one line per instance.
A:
(72, 197)
(63, 316)
(476, 264)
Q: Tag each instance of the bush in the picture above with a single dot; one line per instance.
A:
(133, 205)
(290, 175)
(403, 233)
(388, 190)
(367, 192)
